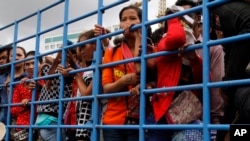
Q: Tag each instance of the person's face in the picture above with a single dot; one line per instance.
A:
(129, 17)
(3, 57)
(29, 66)
(86, 51)
(19, 56)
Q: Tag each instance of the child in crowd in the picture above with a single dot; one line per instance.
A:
(48, 113)
(23, 94)
(18, 74)
(82, 85)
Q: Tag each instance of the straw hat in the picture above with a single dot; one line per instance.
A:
(2, 130)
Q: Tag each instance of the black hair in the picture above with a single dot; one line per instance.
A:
(149, 32)
(118, 40)
(213, 35)
(215, 11)
(32, 53)
(24, 51)
(157, 34)
(72, 49)
(6, 48)
(139, 14)
(137, 9)
(165, 23)
(22, 48)
(193, 3)
(88, 34)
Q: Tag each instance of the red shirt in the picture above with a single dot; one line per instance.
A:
(70, 114)
(169, 66)
(22, 113)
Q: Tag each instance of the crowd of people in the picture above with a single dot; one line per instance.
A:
(226, 62)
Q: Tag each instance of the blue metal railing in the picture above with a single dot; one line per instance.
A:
(97, 66)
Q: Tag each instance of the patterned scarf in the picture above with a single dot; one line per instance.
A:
(133, 101)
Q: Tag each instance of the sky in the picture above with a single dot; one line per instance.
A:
(14, 10)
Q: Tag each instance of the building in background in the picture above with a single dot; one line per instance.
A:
(52, 42)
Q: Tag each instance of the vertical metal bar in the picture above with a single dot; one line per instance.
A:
(12, 76)
(206, 66)
(35, 74)
(143, 70)
(64, 52)
(96, 81)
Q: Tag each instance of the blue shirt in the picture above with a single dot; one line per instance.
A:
(3, 99)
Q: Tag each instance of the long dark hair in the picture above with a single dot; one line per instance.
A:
(88, 34)
(138, 10)
(32, 53)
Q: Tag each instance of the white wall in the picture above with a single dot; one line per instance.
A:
(55, 16)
